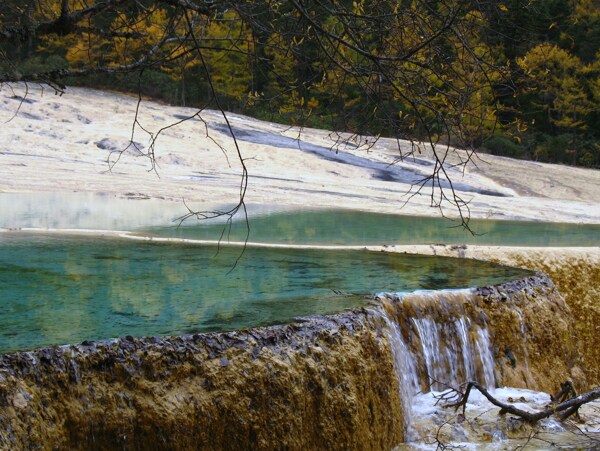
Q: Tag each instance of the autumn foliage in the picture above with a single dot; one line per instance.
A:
(516, 78)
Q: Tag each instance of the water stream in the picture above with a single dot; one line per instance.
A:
(446, 336)
(438, 342)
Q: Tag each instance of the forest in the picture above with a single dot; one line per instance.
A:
(518, 78)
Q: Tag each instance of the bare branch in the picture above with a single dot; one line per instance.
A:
(563, 409)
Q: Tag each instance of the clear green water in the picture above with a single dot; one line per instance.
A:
(59, 290)
(355, 227)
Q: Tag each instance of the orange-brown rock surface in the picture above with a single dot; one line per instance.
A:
(324, 384)
(531, 328)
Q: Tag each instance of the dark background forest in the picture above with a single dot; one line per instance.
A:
(527, 73)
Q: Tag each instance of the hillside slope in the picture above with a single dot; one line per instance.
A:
(81, 142)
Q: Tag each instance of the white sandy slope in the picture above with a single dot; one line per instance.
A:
(59, 144)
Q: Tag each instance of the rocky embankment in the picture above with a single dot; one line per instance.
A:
(323, 382)
(576, 273)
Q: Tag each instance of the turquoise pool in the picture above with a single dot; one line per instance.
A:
(63, 289)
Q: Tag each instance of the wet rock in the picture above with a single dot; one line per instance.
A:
(511, 357)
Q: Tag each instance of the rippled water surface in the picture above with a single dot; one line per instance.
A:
(59, 289)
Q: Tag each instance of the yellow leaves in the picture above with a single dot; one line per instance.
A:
(77, 54)
(358, 7)
(52, 6)
(80, 52)
(502, 7)
(275, 6)
(353, 102)
(92, 48)
(312, 103)
(586, 10)
(253, 97)
(292, 103)
(548, 60)
(228, 39)
(154, 25)
(563, 83)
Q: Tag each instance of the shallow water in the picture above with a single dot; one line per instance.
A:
(61, 289)
(271, 224)
(356, 227)
(66, 210)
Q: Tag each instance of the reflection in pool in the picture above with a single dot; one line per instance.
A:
(356, 227)
(271, 224)
(59, 289)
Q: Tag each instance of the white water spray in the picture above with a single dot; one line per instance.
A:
(436, 343)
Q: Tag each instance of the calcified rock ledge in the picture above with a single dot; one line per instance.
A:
(529, 324)
(327, 382)
(324, 383)
(81, 132)
(532, 334)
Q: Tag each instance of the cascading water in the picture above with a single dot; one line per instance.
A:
(439, 340)
(405, 366)
(445, 336)
(486, 358)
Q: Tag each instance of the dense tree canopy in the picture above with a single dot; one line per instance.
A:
(518, 78)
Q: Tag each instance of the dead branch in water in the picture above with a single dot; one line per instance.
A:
(569, 405)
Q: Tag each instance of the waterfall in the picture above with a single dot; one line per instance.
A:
(486, 358)
(439, 339)
(405, 366)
